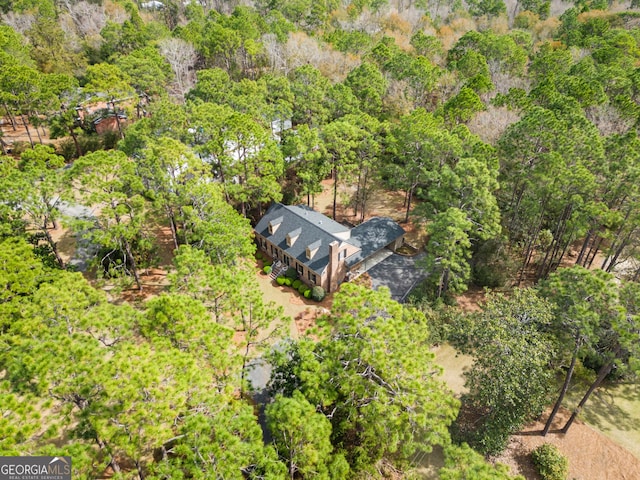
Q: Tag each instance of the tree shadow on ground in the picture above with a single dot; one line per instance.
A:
(614, 406)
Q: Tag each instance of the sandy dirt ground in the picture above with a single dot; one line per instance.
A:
(303, 312)
(591, 455)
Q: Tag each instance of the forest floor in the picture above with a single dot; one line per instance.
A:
(381, 203)
(19, 138)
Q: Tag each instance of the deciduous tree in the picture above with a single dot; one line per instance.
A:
(510, 381)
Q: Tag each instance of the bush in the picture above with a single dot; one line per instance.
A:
(267, 269)
(258, 256)
(486, 437)
(18, 147)
(296, 284)
(89, 142)
(67, 149)
(280, 280)
(288, 281)
(302, 288)
(109, 140)
(307, 293)
(318, 293)
(291, 273)
(550, 463)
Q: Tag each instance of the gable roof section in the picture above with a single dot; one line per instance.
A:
(371, 236)
(322, 221)
(313, 226)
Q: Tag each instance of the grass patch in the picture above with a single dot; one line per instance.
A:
(614, 410)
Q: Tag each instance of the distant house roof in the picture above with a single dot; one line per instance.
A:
(108, 116)
(371, 236)
(153, 4)
(315, 230)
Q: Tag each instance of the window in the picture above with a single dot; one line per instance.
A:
(300, 269)
(312, 277)
(286, 259)
(342, 255)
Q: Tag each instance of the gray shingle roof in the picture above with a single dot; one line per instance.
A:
(371, 236)
(316, 230)
(325, 223)
(314, 227)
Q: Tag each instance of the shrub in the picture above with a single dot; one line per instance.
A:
(318, 293)
(18, 147)
(267, 263)
(280, 280)
(302, 288)
(288, 281)
(291, 273)
(296, 284)
(550, 463)
(109, 140)
(258, 256)
(89, 142)
(307, 293)
(267, 269)
(487, 437)
(67, 149)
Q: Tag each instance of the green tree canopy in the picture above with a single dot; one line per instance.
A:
(374, 376)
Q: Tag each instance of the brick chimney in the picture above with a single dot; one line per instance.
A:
(334, 266)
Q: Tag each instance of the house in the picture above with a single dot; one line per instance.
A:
(108, 123)
(323, 251)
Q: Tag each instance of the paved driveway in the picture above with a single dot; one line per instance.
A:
(398, 273)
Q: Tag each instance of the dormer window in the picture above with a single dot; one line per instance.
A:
(313, 248)
(293, 236)
(274, 224)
